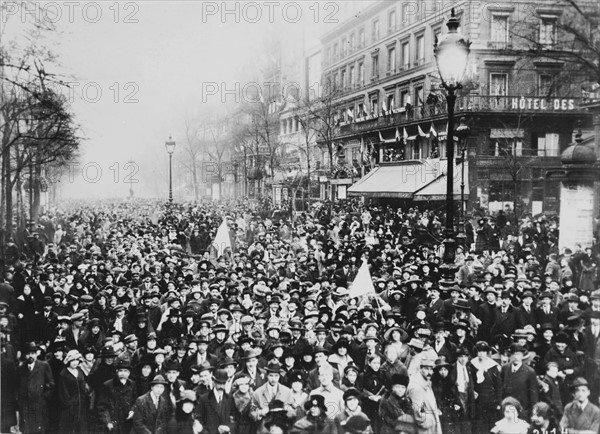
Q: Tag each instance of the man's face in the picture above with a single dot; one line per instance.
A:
(252, 363)
(273, 378)
(325, 378)
(158, 389)
(123, 374)
(202, 347)
(172, 375)
(205, 377)
(31, 357)
(427, 372)
(220, 386)
(582, 393)
(516, 358)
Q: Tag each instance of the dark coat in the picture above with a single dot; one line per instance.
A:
(542, 318)
(34, 389)
(115, 402)
(8, 396)
(72, 393)
(147, 419)
(525, 318)
(506, 323)
(212, 414)
(521, 385)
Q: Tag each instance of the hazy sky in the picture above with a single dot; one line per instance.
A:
(140, 69)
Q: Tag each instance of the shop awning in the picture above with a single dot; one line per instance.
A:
(398, 180)
(436, 190)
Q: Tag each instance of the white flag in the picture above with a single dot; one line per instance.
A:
(362, 285)
(222, 240)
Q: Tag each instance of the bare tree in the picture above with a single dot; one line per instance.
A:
(569, 35)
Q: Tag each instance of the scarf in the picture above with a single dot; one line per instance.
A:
(482, 368)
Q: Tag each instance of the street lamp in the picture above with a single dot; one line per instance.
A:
(170, 145)
(451, 56)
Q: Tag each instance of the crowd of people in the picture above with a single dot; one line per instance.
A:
(130, 318)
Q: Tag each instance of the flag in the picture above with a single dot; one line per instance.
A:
(397, 135)
(362, 285)
(380, 137)
(432, 131)
(384, 107)
(405, 135)
(421, 132)
(350, 114)
(222, 240)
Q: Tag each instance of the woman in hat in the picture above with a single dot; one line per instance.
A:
(568, 363)
(543, 420)
(183, 420)
(395, 349)
(315, 421)
(242, 397)
(73, 396)
(93, 335)
(396, 409)
(510, 423)
(371, 384)
(446, 394)
(339, 358)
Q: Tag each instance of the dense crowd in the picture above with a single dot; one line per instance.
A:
(128, 317)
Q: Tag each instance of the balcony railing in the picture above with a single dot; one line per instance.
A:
(468, 103)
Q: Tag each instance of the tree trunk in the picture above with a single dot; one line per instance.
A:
(195, 178)
(37, 192)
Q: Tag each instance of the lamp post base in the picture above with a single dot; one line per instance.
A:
(448, 269)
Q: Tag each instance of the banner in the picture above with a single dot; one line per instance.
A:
(363, 284)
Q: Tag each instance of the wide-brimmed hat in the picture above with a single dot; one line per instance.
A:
(441, 363)
(252, 353)
(388, 334)
(72, 355)
(159, 379)
(108, 352)
(427, 361)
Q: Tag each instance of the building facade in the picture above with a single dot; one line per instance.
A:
(391, 109)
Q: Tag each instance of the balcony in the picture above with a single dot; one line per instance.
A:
(499, 45)
(468, 103)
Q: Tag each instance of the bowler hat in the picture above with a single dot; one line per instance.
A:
(220, 376)
(273, 367)
(580, 381)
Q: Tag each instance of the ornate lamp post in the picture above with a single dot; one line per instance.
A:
(170, 146)
(451, 56)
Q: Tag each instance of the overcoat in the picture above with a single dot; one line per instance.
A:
(72, 394)
(34, 389)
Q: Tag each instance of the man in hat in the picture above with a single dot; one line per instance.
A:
(487, 313)
(581, 416)
(175, 386)
(199, 357)
(525, 312)
(35, 384)
(249, 362)
(546, 313)
(506, 320)
(116, 400)
(151, 411)
(519, 380)
(421, 394)
(267, 393)
(216, 410)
